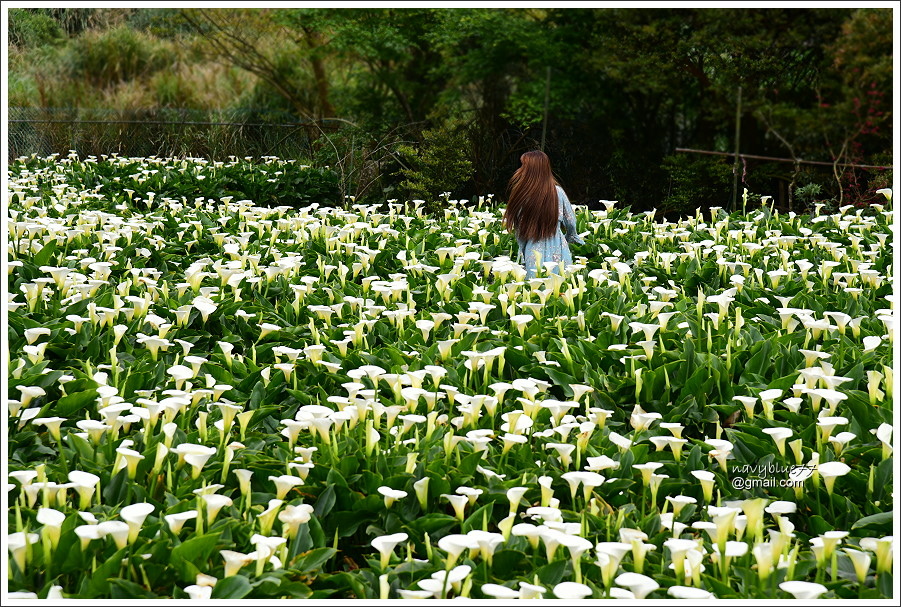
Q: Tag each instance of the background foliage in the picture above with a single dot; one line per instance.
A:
(624, 89)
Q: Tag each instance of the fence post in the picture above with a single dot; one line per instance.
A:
(737, 159)
(547, 100)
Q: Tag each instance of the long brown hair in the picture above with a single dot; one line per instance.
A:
(532, 208)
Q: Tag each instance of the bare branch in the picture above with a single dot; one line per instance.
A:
(235, 49)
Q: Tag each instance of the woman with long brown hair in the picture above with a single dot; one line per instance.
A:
(536, 208)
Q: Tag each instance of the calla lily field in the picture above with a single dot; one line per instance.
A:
(210, 398)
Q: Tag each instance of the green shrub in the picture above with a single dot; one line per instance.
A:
(161, 22)
(74, 21)
(881, 178)
(172, 90)
(807, 194)
(115, 56)
(695, 182)
(439, 164)
(29, 28)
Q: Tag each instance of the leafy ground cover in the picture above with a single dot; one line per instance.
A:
(211, 398)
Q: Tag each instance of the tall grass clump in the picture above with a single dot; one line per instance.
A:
(118, 55)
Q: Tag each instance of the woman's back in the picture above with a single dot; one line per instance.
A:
(537, 207)
(554, 248)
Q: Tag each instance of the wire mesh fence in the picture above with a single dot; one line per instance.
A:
(161, 132)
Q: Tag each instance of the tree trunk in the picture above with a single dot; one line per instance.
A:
(325, 108)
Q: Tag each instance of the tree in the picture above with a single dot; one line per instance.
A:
(615, 90)
(844, 111)
(384, 59)
(254, 40)
(856, 100)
